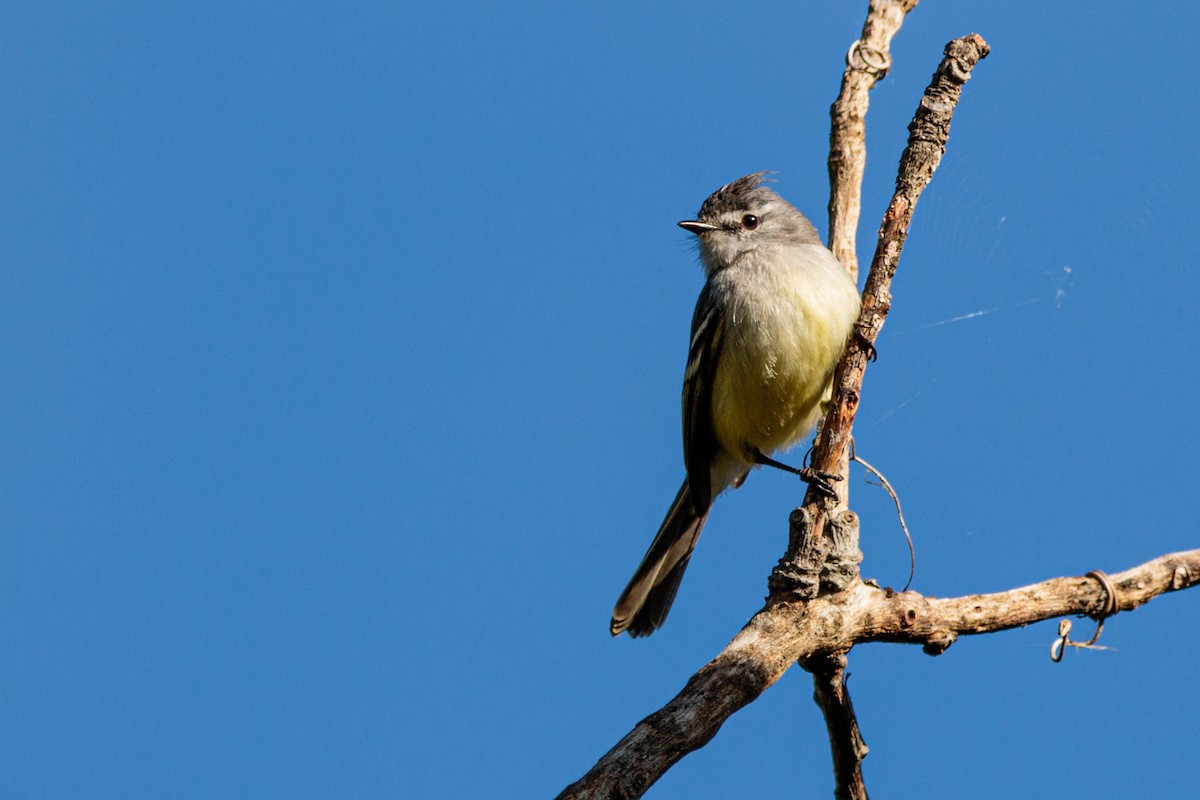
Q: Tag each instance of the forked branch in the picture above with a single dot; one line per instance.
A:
(783, 633)
(834, 615)
(819, 608)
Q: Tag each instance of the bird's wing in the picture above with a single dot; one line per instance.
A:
(699, 441)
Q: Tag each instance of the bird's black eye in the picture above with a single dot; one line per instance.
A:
(749, 222)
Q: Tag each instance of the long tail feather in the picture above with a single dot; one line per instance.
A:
(644, 604)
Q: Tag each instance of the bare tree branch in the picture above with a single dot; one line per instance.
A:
(819, 608)
(928, 133)
(845, 739)
(835, 610)
(786, 632)
(866, 63)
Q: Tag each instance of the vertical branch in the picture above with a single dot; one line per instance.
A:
(866, 63)
(928, 134)
(845, 739)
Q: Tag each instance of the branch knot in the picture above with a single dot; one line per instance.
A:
(821, 558)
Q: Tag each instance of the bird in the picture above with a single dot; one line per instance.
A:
(769, 327)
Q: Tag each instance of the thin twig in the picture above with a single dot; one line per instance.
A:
(912, 551)
(866, 63)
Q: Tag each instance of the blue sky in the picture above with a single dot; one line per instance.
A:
(342, 348)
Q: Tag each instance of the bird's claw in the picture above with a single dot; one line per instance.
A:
(820, 481)
(866, 344)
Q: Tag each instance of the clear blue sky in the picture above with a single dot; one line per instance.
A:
(342, 347)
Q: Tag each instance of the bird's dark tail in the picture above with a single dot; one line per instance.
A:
(644, 604)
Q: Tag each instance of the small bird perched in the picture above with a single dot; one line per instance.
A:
(770, 325)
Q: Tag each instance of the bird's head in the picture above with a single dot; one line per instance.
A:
(744, 215)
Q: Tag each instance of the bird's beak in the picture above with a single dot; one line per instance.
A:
(697, 227)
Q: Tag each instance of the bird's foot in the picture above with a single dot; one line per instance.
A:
(866, 344)
(820, 481)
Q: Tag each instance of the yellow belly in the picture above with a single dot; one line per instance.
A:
(766, 409)
(778, 351)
